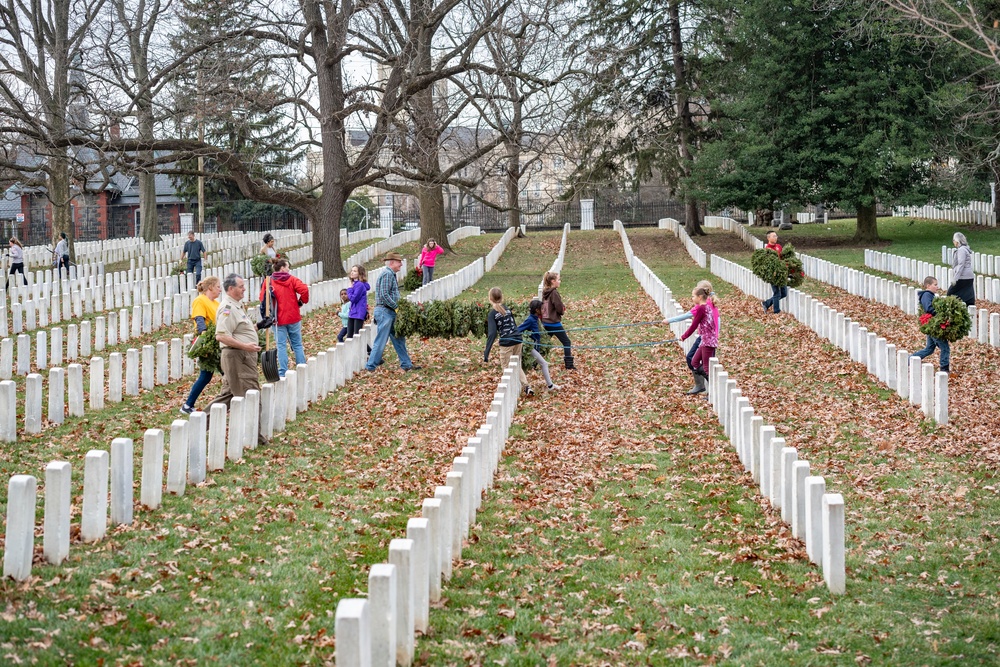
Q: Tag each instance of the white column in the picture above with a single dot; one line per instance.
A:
(58, 497)
(151, 492)
(766, 436)
(902, 385)
(57, 389)
(162, 362)
(460, 520)
(33, 404)
(8, 411)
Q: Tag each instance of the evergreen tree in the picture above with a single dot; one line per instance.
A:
(821, 106)
(232, 95)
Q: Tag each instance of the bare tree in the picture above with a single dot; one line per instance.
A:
(43, 104)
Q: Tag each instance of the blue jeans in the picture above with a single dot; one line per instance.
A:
(204, 377)
(384, 319)
(289, 333)
(778, 293)
(194, 266)
(940, 344)
(428, 275)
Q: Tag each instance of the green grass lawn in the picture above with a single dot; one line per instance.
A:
(621, 529)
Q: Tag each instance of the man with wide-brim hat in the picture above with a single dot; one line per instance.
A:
(386, 301)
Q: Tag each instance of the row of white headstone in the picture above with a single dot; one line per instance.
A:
(153, 315)
(496, 252)
(195, 447)
(749, 435)
(379, 248)
(907, 375)
(815, 517)
(677, 229)
(110, 251)
(557, 263)
(379, 631)
(981, 262)
(987, 288)
(734, 226)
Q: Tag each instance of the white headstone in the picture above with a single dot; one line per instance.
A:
(97, 383)
(94, 522)
(33, 404)
(382, 613)
(74, 378)
(418, 530)
(431, 510)
(353, 632)
(57, 391)
(58, 497)
(197, 444)
(19, 545)
(815, 489)
(234, 452)
(122, 479)
(401, 555)
(177, 462)
(833, 543)
(8, 411)
(446, 523)
(217, 437)
(115, 377)
(151, 493)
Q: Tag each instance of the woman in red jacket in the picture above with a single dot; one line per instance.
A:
(289, 295)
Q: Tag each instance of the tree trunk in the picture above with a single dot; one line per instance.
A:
(685, 125)
(147, 208)
(867, 230)
(512, 179)
(432, 223)
(325, 223)
(59, 195)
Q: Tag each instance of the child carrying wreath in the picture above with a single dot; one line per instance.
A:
(944, 320)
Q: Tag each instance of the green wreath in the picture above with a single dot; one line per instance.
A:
(783, 270)
(950, 322)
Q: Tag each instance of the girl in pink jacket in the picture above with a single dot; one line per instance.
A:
(428, 255)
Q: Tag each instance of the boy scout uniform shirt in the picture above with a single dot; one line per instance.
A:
(233, 320)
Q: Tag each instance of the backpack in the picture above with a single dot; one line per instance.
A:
(506, 329)
(547, 313)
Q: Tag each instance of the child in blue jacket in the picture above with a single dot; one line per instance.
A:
(532, 324)
(926, 297)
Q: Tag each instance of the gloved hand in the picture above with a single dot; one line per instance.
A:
(266, 323)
